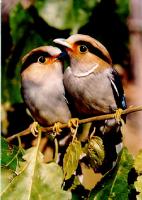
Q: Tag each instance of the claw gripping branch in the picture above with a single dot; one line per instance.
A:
(82, 121)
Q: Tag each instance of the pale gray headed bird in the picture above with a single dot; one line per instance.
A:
(91, 81)
(94, 88)
(42, 86)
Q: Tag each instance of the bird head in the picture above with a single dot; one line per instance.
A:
(85, 52)
(38, 63)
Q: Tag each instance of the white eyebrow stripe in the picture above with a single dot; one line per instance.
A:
(114, 86)
(83, 74)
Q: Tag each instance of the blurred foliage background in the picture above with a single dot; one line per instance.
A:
(27, 24)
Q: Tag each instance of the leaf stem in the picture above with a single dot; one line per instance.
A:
(39, 136)
(56, 150)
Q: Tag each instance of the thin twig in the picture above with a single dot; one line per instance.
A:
(27, 131)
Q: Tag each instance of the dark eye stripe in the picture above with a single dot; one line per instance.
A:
(33, 58)
(94, 50)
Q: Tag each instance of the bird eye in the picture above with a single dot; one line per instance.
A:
(41, 59)
(83, 48)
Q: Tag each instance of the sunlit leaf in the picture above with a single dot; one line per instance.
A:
(71, 14)
(36, 180)
(10, 155)
(138, 186)
(138, 162)
(114, 185)
(71, 158)
(7, 176)
(138, 168)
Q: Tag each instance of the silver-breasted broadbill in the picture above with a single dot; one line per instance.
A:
(94, 88)
(42, 86)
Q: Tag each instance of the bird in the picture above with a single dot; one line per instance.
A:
(42, 86)
(94, 88)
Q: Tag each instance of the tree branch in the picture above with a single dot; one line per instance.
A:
(27, 131)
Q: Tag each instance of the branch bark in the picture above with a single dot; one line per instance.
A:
(49, 129)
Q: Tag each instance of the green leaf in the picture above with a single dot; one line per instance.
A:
(71, 158)
(36, 180)
(10, 155)
(71, 14)
(138, 162)
(114, 184)
(95, 151)
(20, 22)
(123, 9)
(138, 186)
(25, 39)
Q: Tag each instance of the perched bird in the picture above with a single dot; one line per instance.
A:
(42, 86)
(90, 81)
(94, 87)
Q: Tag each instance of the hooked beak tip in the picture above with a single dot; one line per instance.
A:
(62, 56)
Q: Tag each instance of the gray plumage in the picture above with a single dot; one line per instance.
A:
(91, 99)
(42, 86)
(94, 88)
(92, 84)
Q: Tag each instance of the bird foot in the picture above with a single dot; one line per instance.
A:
(73, 125)
(118, 114)
(57, 128)
(34, 128)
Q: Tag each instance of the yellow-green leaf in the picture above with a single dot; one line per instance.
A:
(71, 14)
(6, 177)
(138, 186)
(71, 158)
(138, 162)
(36, 180)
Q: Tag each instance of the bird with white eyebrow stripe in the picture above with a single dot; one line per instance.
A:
(93, 85)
